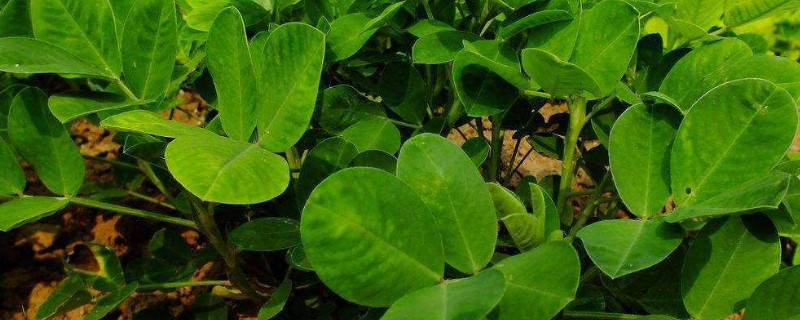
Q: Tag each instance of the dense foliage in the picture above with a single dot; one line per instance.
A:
(324, 181)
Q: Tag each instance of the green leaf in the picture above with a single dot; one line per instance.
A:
(276, 302)
(451, 186)
(327, 157)
(267, 234)
(525, 229)
(703, 13)
(231, 169)
(739, 12)
(289, 79)
(540, 282)
(398, 245)
(536, 19)
(108, 276)
(374, 135)
(351, 32)
(204, 11)
(26, 56)
(759, 194)
(463, 299)
(207, 306)
(12, 178)
(343, 106)
(774, 299)
(428, 26)
(638, 151)
(726, 262)
(297, 258)
(111, 301)
(375, 159)
(44, 143)
(487, 78)
(232, 68)
(477, 149)
(72, 105)
(85, 28)
(150, 43)
(505, 202)
(404, 91)
(150, 123)
(440, 47)
(557, 77)
(70, 294)
(603, 49)
(7, 96)
(707, 160)
(20, 211)
(168, 245)
(621, 247)
(15, 19)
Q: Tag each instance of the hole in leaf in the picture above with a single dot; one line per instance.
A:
(688, 190)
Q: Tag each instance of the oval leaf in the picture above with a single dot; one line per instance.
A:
(150, 43)
(775, 299)
(267, 234)
(374, 135)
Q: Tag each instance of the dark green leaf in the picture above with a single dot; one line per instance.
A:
(327, 157)
(267, 234)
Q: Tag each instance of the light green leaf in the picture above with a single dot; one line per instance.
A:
(462, 299)
(399, 248)
(12, 178)
(375, 159)
(26, 56)
(267, 234)
(638, 151)
(290, 75)
(150, 123)
(15, 19)
(544, 209)
(72, 105)
(204, 11)
(425, 27)
(276, 301)
(85, 28)
(540, 282)
(603, 49)
(451, 186)
(557, 77)
(343, 106)
(70, 294)
(759, 194)
(150, 43)
(477, 149)
(621, 247)
(702, 13)
(44, 143)
(327, 157)
(440, 47)
(111, 301)
(536, 19)
(525, 229)
(505, 202)
(232, 68)
(708, 160)
(374, 135)
(774, 299)
(739, 12)
(20, 211)
(685, 81)
(351, 32)
(726, 262)
(404, 91)
(233, 169)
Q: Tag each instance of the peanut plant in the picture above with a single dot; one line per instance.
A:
(324, 181)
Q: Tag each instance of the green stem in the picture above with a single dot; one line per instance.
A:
(112, 162)
(127, 91)
(577, 119)
(147, 169)
(602, 105)
(204, 219)
(594, 201)
(599, 315)
(176, 285)
(428, 11)
(510, 169)
(151, 200)
(497, 147)
(405, 124)
(533, 93)
(133, 212)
